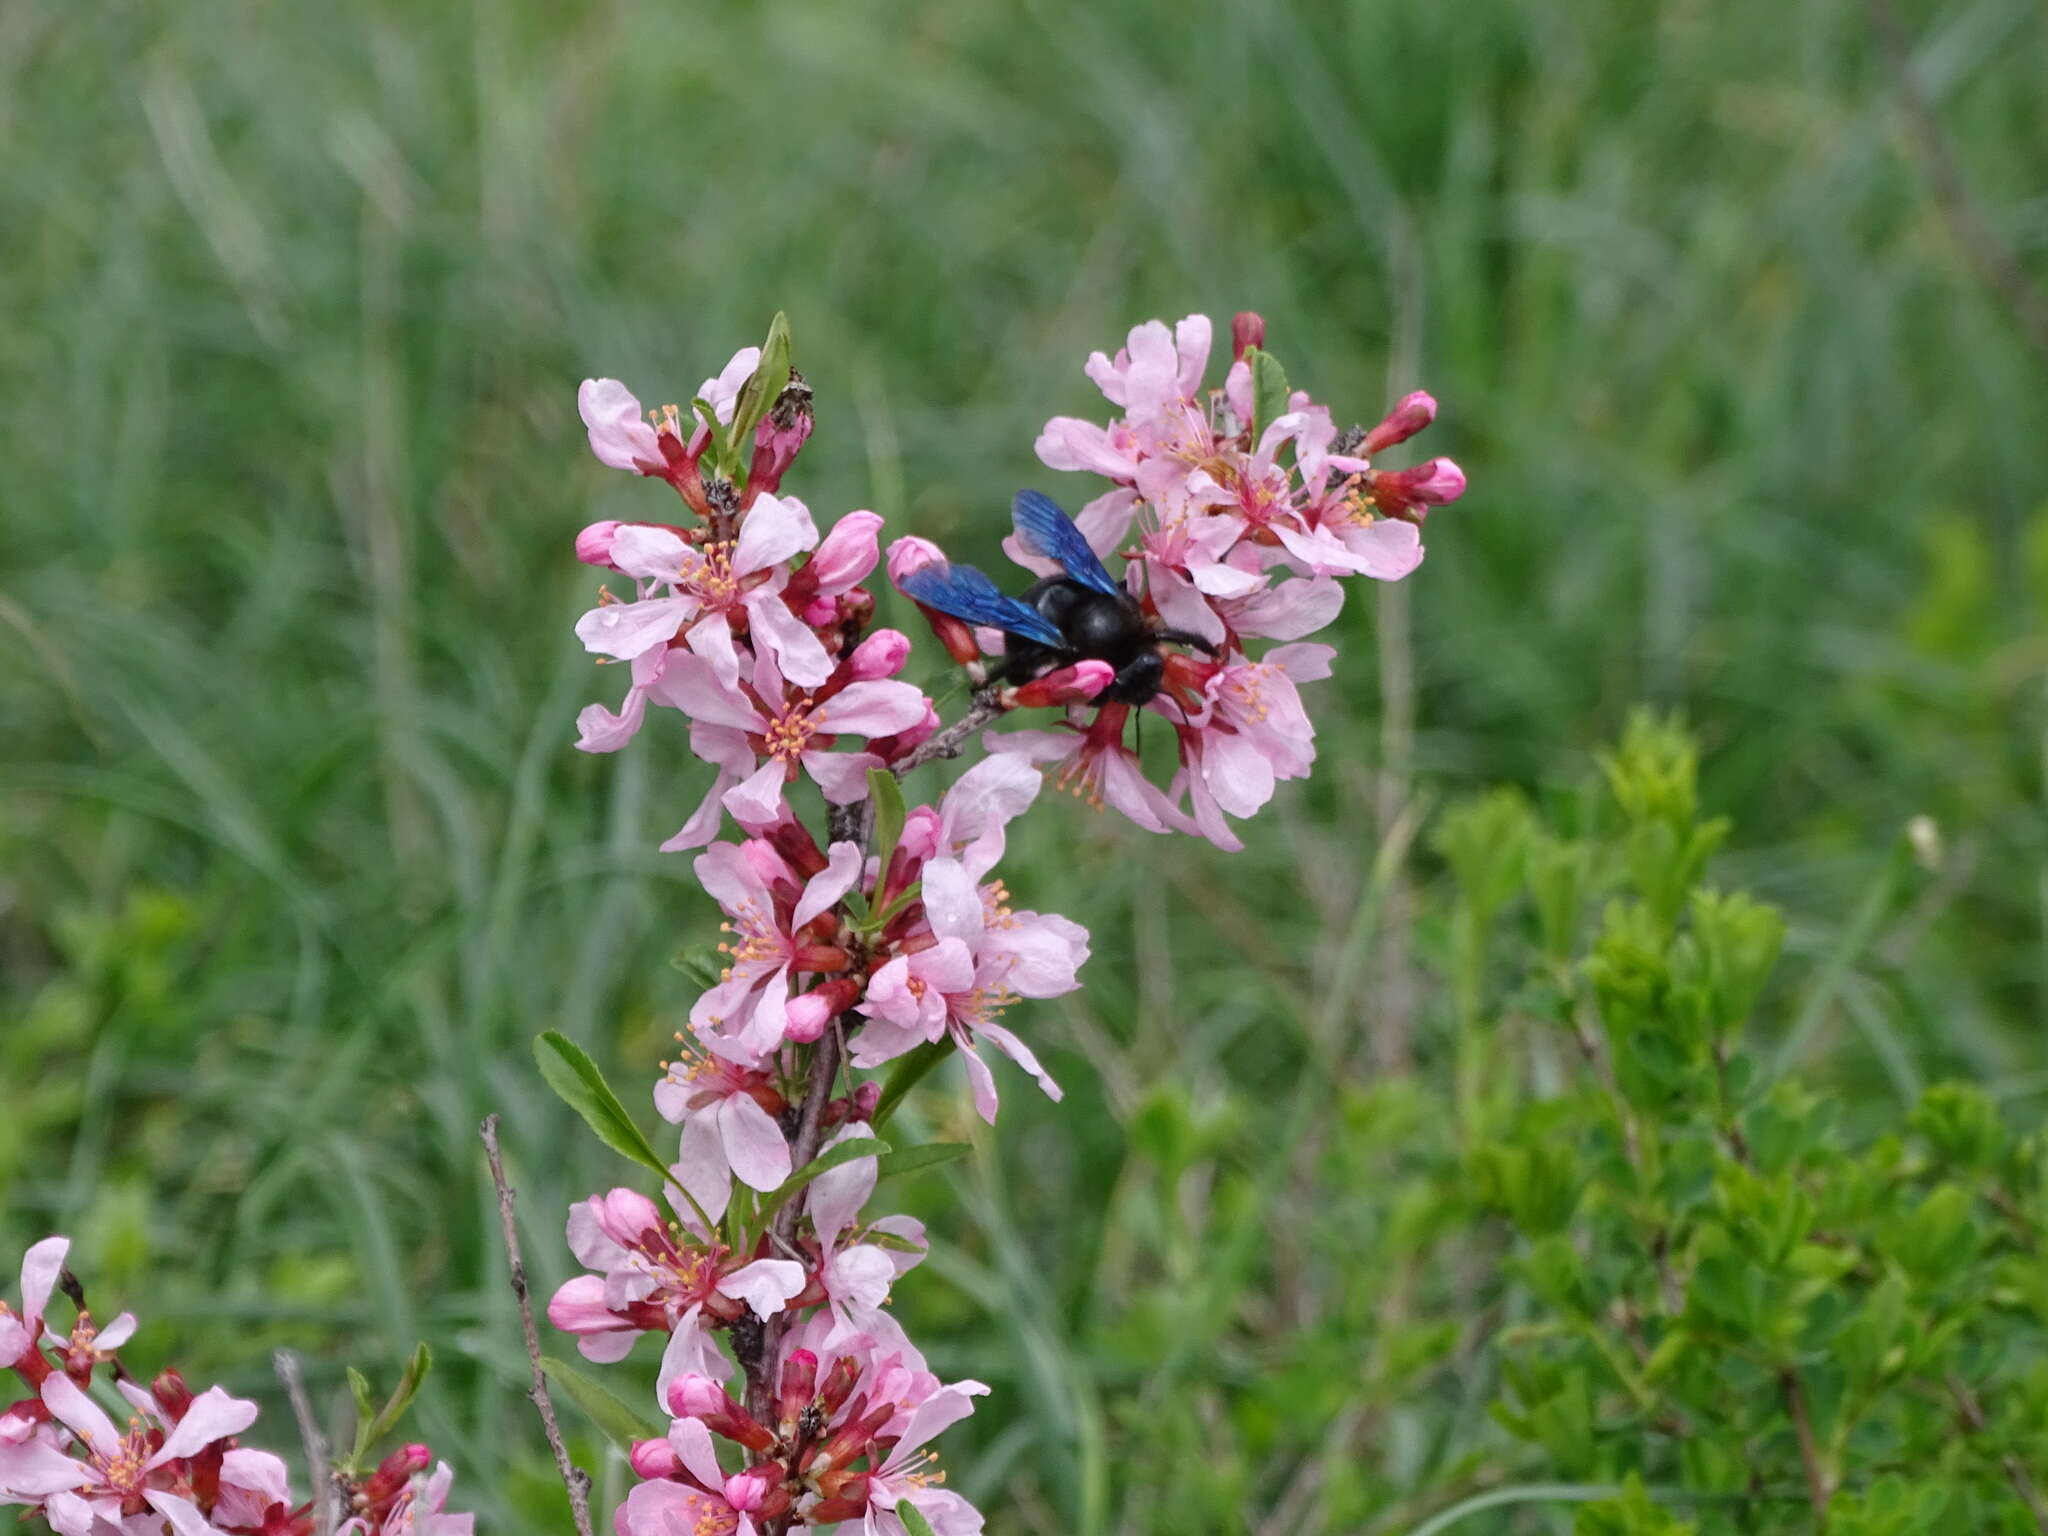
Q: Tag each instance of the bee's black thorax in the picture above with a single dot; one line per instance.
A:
(1095, 627)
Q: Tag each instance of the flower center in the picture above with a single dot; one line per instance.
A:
(711, 578)
(755, 940)
(123, 1470)
(789, 737)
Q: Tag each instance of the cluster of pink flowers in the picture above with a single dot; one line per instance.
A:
(1234, 529)
(177, 1468)
(757, 631)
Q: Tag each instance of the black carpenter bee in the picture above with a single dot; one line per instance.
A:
(1084, 615)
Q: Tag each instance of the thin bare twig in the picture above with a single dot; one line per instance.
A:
(318, 1473)
(574, 1478)
(950, 741)
(1817, 1491)
(1998, 268)
(2015, 1470)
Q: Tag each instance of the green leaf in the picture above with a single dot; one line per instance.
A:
(575, 1078)
(359, 1389)
(909, 1071)
(932, 1154)
(913, 1522)
(1269, 389)
(370, 1429)
(824, 1162)
(758, 395)
(621, 1422)
(886, 796)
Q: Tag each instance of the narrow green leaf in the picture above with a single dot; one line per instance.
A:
(932, 1154)
(621, 1422)
(576, 1080)
(886, 796)
(1269, 389)
(845, 1152)
(909, 1071)
(371, 1430)
(913, 1522)
(758, 395)
(359, 1388)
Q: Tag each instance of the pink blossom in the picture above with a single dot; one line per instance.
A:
(421, 1510)
(791, 728)
(620, 435)
(1410, 415)
(652, 1278)
(983, 957)
(1096, 765)
(40, 1267)
(709, 587)
(698, 1499)
(117, 1469)
(727, 1126)
(766, 906)
(843, 561)
(1251, 732)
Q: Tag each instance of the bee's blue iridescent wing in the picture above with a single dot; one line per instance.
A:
(967, 594)
(1043, 529)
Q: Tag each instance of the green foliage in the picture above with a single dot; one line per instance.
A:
(295, 858)
(1732, 1292)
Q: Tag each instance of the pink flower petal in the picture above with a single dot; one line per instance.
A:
(1020, 1053)
(871, 709)
(80, 1414)
(701, 1166)
(648, 553)
(766, 1285)
(797, 649)
(619, 435)
(775, 529)
(688, 683)
(625, 630)
(40, 1267)
(183, 1515)
(753, 1142)
(842, 776)
(757, 800)
(843, 864)
(1191, 338)
(952, 902)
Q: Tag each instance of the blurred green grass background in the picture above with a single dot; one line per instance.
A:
(295, 856)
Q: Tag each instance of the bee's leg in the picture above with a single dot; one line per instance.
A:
(1182, 637)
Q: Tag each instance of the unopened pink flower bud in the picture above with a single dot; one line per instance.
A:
(654, 1458)
(865, 1098)
(881, 655)
(821, 611)
(172, 1394)
(1068, 685)
(911, 553)
(1247, 329)
(848, 552)
(799, 1384)
(1407, 492)
(594, 543)
(810, 1013)
(1414, 412)
(744, 1491)
(779, 438)
(699, 1397)
(627, 1215)
(579, 1306)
